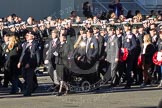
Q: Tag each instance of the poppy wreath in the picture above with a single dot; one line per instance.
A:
(140, 60)
(155, 60)
(123, 55)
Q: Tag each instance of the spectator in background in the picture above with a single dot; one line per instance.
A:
(30, 21)
(135, 19)
(73, 16)
(137, 12)
(121, 18)
(113, 15)
(129, 14)
(152, 13)
(159, 16)
(159, 12)
(78, 20)
(117, 7)
(87, 9)
(139, 16)
(10, 20)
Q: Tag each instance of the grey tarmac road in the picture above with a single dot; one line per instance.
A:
(104, 98)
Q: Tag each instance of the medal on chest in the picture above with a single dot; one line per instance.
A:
(160, 43)
(112, 43)
(91, 45)
(128, 40)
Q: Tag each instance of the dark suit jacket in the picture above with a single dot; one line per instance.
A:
(159, 44)
(50, 56)
(92, 49)
(30, 55)
(120, 40)
(140, 37)
(149, 51)
(12, 60)
(1, 51)
(63, 51)
(101, 48)
(130, 43)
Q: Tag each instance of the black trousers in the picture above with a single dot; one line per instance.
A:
(14, 79)
(6, 78)
(30, 80)
(129, 67)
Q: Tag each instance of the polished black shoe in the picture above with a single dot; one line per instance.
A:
(18, 90)
(58, 94)
(35, 87)
(143, 85)
(127, 87)
(5, 86)
(13, 92)
(26, 95)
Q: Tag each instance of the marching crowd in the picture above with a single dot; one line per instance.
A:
(125, 44)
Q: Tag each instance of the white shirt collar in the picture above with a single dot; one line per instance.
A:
(55, 39)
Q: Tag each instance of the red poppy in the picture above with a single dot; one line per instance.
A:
(123, 55)
(155, 61)
(140, 60)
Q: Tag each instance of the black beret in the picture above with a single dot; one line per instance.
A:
(90, 30)
(135, 27)
(127, 24)
(118, 28)
(30, 31)
(112, 27)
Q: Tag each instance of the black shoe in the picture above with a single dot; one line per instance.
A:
(5, 86)
(26, 95)
(18, 90)
(35, 87)
(58, 94)
(13, 92)
(143, 85)
(127, 87)
(137, 83)
(110, 86)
